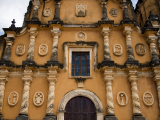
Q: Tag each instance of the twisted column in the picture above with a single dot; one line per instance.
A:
(107, 55)
(33, 35)
(54, 54)
(52, 78)
(36, 4)
(9, 43)
(3, 79)
(135, 98)
(127, 32)
(152, 42)
(108, 78)
(27, 78)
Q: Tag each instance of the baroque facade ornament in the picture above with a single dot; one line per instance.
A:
(114, 12)
(81, 36)
(47, 12)
(117, 49)
(38, 99)
(122, 98)
(43, 49)
(81, 10)
(20, 50)
(140, 49)
(13, 98)
(148, 99)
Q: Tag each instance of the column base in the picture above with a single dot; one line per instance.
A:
(108, 63)
(105, 21)
(131, 63)
(154, 62)
(6, 63)
(138, 117)
(29, 63)
(110, 117)
(49, 117)
(22, 116)
(1, 116)
(55, 21)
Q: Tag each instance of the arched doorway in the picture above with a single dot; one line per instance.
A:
(77, 93)
(80, 108)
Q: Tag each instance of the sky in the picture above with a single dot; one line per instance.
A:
(15, 9)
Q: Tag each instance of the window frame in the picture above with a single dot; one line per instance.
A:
(71, 50)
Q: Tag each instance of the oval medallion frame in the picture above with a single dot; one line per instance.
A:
(138, 50)
(34, 99)
(20, 49)
(145, 100)
(9, 97)
(126, 98)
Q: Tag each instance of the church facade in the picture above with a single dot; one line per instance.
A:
(81, 60)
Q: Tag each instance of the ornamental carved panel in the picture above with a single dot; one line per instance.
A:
(117, 49)
(43, 49)
(81, 36)
(13, 98)
(47, 12)
(140, 49)
(122, 98)
(148, 99)
(81, 10)
(114, 12)
(20, 50)
(38, 99)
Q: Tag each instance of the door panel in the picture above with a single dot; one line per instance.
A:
(80, 108)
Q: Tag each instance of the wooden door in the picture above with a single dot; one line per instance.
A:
(80, 108)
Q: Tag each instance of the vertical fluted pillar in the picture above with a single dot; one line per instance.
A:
(152, 42)
(107, 55)
(55, 34)
(104, 11)
(135, 98)
(3, 79)
(30, 55)
(52, 78)
(128, 32)
(9, 43)
(27, 78)
(108, 78)
(36, 4)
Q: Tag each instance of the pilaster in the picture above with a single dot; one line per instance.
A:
(108, 78)
(52, 78)
(30, 56)
(137, 115)
(125, 10)
(3, 79)
(154, 55)
(27, 79)
(56, 32)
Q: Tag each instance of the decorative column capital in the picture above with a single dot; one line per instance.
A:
(152, 39)
(37, 3)
(33, 33)
(27, 75)
(3, 76)
(133, 77)
(56, 33)
(52, 75)
(127, 32)
(9, 40)
(108, 75)
(106, 32)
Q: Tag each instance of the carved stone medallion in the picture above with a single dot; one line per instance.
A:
(38, 99)
(13, 98)
(117, 49)
(43, 49)
(47, 12)
(114, 12)
(148, 99)
(81, 10)
(20, 50)
(140, 49)
(122, 98)
(81, 36)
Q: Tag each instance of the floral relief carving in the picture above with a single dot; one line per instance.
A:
(43, 49)
(20, 50)
(13, 98)
(38, 99)
(148, 98)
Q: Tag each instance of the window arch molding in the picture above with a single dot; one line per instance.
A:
(80, 92)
